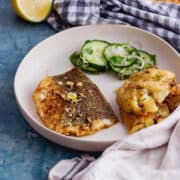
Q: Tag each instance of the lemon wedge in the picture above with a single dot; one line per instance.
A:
(32, 10)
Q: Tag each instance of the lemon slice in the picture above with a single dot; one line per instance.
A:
(32, 10)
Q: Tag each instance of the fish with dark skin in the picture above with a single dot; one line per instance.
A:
(72, 104)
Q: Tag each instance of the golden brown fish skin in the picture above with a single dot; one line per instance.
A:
(147, 97)
(48, 102)
(62, 101)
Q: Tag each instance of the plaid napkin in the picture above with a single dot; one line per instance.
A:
(150, 154)
(162, 19)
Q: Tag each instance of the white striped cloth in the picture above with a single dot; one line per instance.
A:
(162, 19)
(150, 154)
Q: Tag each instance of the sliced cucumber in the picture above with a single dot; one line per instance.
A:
(127, 71)
(92, 52)
(129, 48)
(114, 68)
(78, 62)
(123, 72)
(122, 62)
(115, 50)
(149, 59)
(123, 59)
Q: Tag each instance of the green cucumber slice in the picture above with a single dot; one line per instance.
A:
(122, 62)
(124, 72)
(115, 50)
(127, 71)
(149, 59)
(129, 48)
(78, 62)
(114, 68)
(92, 52)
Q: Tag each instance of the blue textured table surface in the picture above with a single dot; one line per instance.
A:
(23, 153)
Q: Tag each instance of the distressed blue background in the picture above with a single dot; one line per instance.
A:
(23, 153)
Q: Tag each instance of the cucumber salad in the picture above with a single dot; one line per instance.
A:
(121, 58)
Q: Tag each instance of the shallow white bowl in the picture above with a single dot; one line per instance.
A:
(51, 57)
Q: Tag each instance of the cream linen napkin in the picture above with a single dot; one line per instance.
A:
(150, 154)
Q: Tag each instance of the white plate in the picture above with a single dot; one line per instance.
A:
(51, 57)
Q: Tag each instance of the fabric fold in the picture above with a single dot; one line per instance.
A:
(161, 19)
(152, 153)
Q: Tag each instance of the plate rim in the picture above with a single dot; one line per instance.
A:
(40, 125)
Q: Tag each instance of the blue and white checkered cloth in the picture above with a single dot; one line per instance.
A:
(162, 19)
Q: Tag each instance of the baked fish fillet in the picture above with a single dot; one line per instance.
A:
(72, 104)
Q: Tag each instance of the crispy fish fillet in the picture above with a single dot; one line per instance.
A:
(72, 104)
(147, 97)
